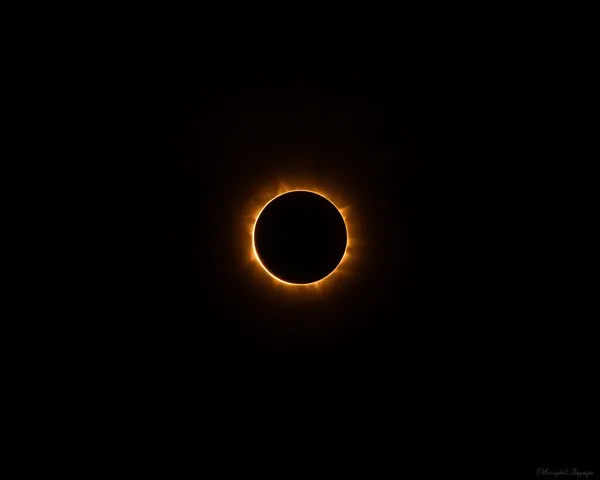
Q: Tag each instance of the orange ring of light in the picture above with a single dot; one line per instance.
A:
(300, 284)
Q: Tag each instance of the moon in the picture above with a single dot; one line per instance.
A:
(300, 237)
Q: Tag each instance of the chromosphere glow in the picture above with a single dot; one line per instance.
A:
(340, 270)
(300, 237)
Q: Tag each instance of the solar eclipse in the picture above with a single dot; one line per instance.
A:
(245, 290)
(300, 237)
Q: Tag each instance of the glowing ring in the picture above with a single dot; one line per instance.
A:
(300, 284)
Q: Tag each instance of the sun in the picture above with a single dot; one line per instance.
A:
(346, 267)
(257, 257)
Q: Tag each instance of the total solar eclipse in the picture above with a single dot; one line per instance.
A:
(300, 237)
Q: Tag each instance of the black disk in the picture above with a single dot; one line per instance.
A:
(300, 237)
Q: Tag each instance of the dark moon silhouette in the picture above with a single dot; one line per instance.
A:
(300, 237)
